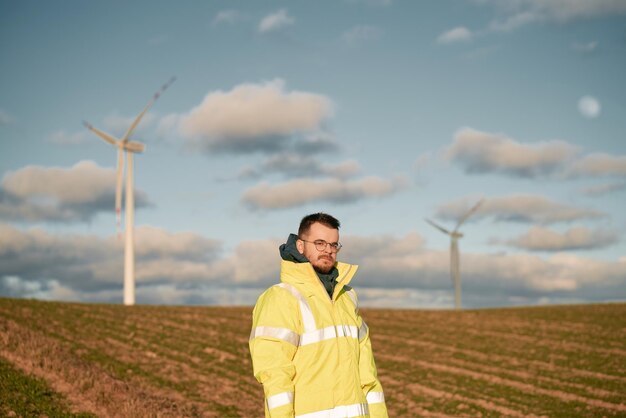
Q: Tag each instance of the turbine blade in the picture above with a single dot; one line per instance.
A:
(469, 213)
(130, 130)
(108, 138)
(118, 190)
(441, 228)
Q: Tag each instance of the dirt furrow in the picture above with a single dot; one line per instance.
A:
(513, 339)
(510, 370)
(563, 396)
(87, 388)
(509, 359)
(527, 376)
(448, 396)
(489, 406)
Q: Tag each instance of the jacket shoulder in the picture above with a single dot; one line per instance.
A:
(279, 291)
(276, 305)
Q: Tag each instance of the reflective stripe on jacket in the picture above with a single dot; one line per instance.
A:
(313, 353)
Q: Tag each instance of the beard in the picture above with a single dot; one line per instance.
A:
(324, 268)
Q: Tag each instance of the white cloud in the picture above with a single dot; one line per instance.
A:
(382, 245)
(90, 262)
(577, 238)
(517, 208)
(275, 21)
(77, 184)
(342, 170)
(316, 143)
(483, 152)
(77, 193)
(181, 267)
(300, 159)
(305, 166)
(514, 14)
(589, 107)
(201, 295)
(262, 264)
(296, 165)
(252, 117)
(291, 164)
(361, 33)
(458, 34)
(186, 268)
(407, 298)
(300, 192)
(153, 294)
(14, 286)
(600, 164)
(566, 10)
(211, 265)
(604, 189)
(488, 279)
(152, 242)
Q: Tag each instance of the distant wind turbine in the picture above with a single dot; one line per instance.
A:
(455, 268)
(125, 146)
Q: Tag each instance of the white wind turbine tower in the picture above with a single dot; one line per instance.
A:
(125, 146)
(455, 268)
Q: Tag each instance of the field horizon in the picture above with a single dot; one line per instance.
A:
(193, 361)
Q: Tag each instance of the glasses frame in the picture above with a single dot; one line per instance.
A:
(334, 246)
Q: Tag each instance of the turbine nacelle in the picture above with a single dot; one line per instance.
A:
(133, 146)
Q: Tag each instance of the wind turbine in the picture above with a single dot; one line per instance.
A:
(126, 146)
(455, 268)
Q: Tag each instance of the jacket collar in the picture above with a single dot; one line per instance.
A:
(303, 274)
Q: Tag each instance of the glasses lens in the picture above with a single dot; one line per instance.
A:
(321, 245)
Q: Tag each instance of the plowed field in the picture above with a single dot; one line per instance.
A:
(111, 360)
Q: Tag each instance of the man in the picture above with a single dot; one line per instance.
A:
(310, 347)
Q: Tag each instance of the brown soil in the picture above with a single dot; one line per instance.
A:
(194, 362)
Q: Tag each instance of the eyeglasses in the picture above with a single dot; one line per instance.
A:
(321, 245)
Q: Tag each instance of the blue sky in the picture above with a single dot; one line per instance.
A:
(381, 113)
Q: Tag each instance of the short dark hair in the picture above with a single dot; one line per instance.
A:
(321, 217)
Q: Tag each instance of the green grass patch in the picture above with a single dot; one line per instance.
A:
(28, 396)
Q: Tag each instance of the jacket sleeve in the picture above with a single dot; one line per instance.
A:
(273, 343)
(370, 384)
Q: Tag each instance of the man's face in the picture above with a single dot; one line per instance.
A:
(322, 261)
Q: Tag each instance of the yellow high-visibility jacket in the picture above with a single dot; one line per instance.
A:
(312, 353)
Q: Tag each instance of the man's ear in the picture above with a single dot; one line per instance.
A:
(300, 246)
